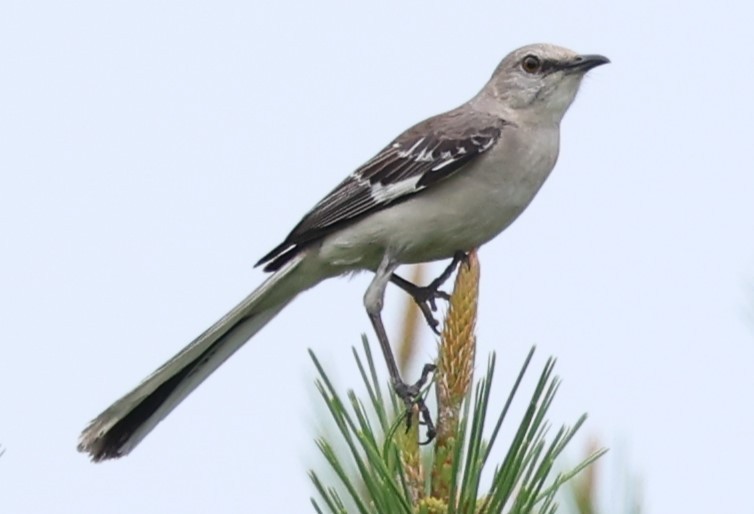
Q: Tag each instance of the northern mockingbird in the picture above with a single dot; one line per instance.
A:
(445, 186)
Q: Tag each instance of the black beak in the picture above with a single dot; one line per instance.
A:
(584, 63)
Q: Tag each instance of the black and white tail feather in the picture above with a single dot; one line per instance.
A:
(121, 427)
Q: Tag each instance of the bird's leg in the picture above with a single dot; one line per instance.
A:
(425, 296)
(410, 394)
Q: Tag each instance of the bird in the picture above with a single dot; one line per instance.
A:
(444, 187)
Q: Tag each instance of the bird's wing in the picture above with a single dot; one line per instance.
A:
(420, 157)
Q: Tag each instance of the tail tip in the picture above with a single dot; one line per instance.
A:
(97, 442)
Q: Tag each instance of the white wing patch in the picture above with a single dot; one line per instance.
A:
(427, 151)
(483, 145)
(442, 164)
(384, 193)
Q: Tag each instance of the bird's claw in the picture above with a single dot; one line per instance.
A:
(411, 396)
(426, 299)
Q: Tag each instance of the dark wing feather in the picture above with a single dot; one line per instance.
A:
(423, 155)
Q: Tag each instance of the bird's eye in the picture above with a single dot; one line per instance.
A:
(531, 64)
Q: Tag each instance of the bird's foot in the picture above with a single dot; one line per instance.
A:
(411, 395)
(426, 296)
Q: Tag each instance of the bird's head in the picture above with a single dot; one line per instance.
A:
(542, 78)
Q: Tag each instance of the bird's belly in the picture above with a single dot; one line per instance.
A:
(462, 216)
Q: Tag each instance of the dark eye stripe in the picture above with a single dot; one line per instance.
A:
(549, 66)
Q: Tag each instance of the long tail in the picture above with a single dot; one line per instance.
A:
(121, 427)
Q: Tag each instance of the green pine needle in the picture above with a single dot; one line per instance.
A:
(369, 469)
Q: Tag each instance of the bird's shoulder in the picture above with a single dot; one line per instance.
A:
(432, 149)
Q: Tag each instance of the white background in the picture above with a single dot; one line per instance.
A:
(151, 152)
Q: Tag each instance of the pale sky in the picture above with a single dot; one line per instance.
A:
(151, 152)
